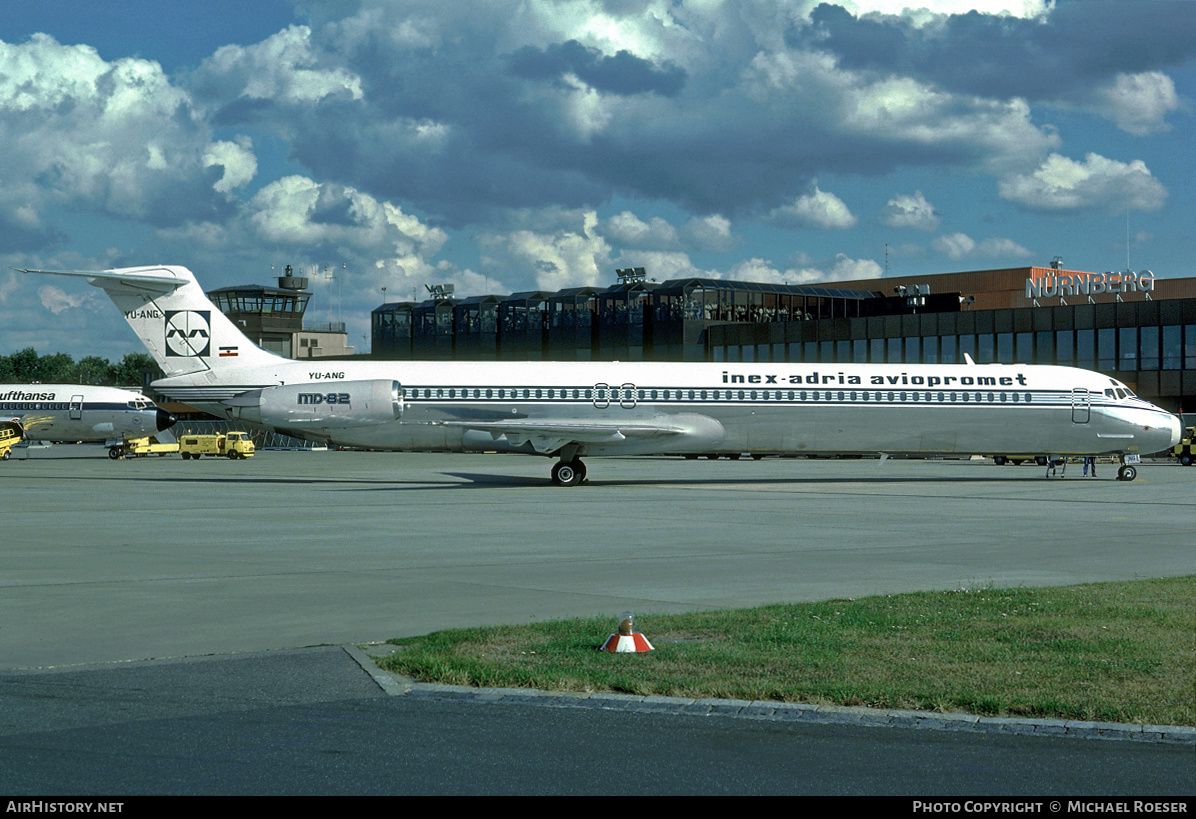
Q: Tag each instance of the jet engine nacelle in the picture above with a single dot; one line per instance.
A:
(323, 405)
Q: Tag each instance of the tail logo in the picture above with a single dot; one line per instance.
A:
(188, 333)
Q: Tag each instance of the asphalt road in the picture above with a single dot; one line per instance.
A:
(311, 722)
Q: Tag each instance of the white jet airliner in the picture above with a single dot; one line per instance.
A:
(75, 412)
(569, 409)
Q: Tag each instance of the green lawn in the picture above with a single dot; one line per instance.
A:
(1112, 652)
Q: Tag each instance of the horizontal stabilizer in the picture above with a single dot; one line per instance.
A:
(159, 280)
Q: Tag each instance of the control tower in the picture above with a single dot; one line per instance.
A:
(272, 318)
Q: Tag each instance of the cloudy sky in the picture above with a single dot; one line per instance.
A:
(507, 145)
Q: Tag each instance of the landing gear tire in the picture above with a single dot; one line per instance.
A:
(568, 473)
(1127, 473)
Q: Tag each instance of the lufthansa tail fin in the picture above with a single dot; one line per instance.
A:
(175, 319)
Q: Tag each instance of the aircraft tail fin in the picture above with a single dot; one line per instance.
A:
(174, 318)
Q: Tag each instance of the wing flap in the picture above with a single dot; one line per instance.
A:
(550, 435)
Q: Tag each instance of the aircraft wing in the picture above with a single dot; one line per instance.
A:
(548, 435)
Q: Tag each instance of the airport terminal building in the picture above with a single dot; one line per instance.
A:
(1134, 326)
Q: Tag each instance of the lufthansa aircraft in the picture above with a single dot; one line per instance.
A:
(74, 412)
(570, 409)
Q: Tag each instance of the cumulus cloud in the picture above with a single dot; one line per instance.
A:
(910, 212)
(117, 137)
(623, 73)
(841, 269)
(57, 300)
(712, 232)
(958, 246)
(286, 69)
(628, 230)
(568, 257)
(511, 125)
(1139, 103)
(237, 160)
(1062, 184)
(298, 211)
(1051, 53)
(955, 245)
(820, 209)
(462, 109)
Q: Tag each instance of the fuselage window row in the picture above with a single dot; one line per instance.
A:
(630, 396)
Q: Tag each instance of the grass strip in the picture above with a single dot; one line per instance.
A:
(1106, 652)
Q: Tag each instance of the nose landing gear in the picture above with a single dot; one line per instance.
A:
(1128, 470)
(1127, 473)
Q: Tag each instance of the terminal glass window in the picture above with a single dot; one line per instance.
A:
(1065, 348)
(1148, 347)
(930, 350)
(1024, 347)
(948, 355)
(1106, 349)
(967, 345)
(1172, 347)
(1085, 348)
(1190, 347)
(1128, 343)
(1005, 348)
(985, 353)
(1045, 344)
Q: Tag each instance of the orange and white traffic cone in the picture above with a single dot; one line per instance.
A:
(628, 638)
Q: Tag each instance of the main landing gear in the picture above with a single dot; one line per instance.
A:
(569, 473)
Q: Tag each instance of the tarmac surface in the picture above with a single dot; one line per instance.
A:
(141, 592)
(111, 561)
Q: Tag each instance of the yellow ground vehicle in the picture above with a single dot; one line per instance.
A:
(231, 445)
(10, 434)
(1183, 451)
(140, 447)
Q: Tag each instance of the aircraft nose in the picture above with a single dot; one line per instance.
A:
(1162, 435)
(165, 419)
(1177, 431)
